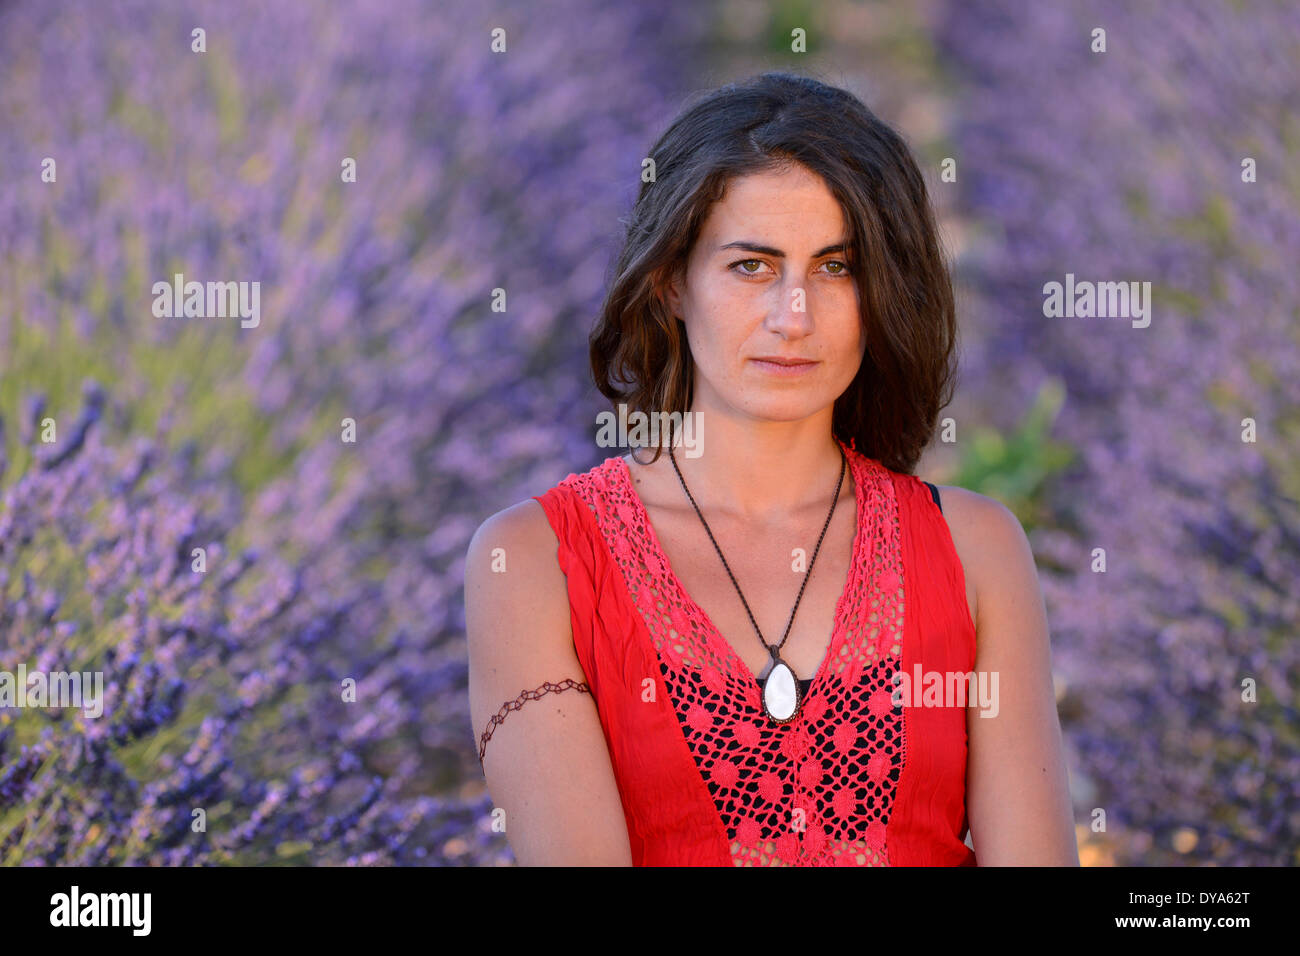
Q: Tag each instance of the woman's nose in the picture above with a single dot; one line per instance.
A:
(790, 315)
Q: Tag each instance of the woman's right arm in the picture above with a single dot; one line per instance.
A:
(547, 764)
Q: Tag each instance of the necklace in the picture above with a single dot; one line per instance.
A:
(781, 696)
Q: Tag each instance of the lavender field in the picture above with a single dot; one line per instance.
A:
(325, 560)
(306, 688)
(1129, 165)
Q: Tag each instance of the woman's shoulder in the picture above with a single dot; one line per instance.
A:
(518, 547)
(987, 537)
(971, 506)
(529, 527)
(523, 524)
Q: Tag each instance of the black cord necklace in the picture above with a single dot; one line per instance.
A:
(781, 696)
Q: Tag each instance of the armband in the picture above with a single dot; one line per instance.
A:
(499, 717)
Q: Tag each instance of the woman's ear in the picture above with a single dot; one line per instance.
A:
(672, 293)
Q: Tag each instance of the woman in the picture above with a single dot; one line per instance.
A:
(692, 692)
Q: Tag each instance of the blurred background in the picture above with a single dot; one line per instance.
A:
(329, 560)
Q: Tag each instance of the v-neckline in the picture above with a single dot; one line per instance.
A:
(712, 635)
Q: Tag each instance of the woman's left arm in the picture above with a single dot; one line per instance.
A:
(1017, 789)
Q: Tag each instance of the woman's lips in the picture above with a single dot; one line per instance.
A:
(788, 371)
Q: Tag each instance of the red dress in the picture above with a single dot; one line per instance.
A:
(705, 778)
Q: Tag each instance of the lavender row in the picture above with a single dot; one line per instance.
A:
(1131, 165)
(327, 561)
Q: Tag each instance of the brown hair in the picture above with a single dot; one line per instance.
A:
(905, 292)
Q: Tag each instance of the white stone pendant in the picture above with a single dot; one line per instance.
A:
(781, 693)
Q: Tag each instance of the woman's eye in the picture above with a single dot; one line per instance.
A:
(744, 262)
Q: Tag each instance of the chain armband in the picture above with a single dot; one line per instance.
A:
(499, 717)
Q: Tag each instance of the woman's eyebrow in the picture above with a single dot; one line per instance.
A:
(777, 253)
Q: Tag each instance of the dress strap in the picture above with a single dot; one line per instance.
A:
(934, 493)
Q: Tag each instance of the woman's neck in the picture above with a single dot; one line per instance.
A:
(761, 475)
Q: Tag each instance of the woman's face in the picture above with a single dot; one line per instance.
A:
(768, 277)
